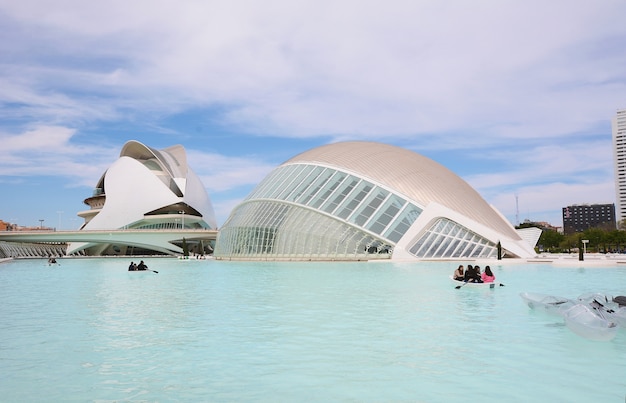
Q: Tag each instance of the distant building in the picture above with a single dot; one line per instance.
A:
(579, 217)
(546, 225)
(7, 226)
(619, 159)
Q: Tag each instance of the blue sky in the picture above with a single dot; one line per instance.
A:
(516, 97)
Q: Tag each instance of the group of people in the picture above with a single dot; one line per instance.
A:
(137, 267)
(473, 274)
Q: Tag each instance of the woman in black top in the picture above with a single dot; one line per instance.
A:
(477, 277)
(470, 273)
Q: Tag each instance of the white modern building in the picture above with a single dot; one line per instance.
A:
(146, 189)
(619, 159)
(365, 201)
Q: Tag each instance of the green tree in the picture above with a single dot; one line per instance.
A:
(550, 239)
(612, 240)
(201, 251)
(185, 248)
(616, 239)
(528, 224)
(597, 238)
(570, 242)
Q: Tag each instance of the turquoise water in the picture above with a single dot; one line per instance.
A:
(90, 331)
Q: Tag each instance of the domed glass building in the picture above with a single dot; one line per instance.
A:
(146, 189)
(364, 201)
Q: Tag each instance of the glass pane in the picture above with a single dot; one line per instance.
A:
(443, 246)
(451, 249)
(332, 184)
(385, 214)
(276, 179)
(354, 199)
(290, 181)
(303, 182)
(434, 245)
(342, 192)
(403, 222)
(369, 207)
(319, 182)
(423, 252)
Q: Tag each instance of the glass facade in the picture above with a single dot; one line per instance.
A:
(305, 211)
(312, 212)
(360, 200)
(447, 239)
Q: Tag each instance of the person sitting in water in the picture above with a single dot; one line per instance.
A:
(132, 267)
(488, 276)
(459, 274)
(477, 275)
(142, 266)
(470, 274)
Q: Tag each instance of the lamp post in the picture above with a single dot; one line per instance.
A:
(41, 223)
(585, 242)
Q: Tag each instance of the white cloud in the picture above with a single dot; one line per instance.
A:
(544, 202)
(520, 78)
(39, 139)
(50, 151)
(544, 179)
(221, 173)
(223, 208)
(368, 68)
(579, 161)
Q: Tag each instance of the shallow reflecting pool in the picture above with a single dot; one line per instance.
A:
(89, 330)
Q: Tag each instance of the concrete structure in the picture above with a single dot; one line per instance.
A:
(146, 189)
(579, 217)
(121, 242)
(364, 201)
(31, 249)
(619, 160)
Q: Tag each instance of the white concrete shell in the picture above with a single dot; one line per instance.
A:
(365, 200)
(147, 189)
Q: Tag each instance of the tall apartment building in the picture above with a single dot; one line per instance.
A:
(580, 217)
(619, 159)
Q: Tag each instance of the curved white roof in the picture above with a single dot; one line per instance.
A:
(173, 159)
(144, 186)
(417, 177)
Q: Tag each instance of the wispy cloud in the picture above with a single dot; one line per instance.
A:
(369, 69)
(221, 173)
(528, 86)
(49, 151)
